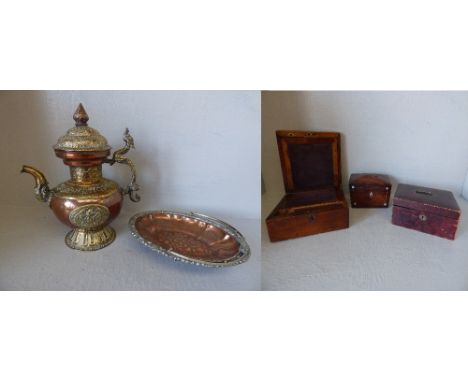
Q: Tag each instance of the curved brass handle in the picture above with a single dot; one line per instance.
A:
(118, 157)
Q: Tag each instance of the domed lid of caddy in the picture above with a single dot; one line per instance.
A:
(82, 137)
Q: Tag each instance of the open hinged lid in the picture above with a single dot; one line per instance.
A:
(439, 202)
(309, 160)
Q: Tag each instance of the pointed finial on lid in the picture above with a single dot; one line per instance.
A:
(81, 117)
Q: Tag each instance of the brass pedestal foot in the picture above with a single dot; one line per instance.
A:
(90, 239)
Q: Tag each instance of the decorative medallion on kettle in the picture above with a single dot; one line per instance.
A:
(87, 202)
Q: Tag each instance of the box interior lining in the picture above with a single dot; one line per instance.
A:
(311, 165)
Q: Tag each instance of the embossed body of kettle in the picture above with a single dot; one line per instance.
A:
(102, 199)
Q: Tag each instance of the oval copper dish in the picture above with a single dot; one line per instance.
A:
(190, 237)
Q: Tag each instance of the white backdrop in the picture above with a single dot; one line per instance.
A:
(195, 150)
(415, 137)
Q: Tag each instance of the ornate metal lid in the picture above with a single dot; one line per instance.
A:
(82, 137)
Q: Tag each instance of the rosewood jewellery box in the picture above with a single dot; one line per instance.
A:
(369, 190)
(428, 210)
(314, 202)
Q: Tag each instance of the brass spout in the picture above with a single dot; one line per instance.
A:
(41, 191)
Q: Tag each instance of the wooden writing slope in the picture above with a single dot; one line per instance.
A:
(314, 201)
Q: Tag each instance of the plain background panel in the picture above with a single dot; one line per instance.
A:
(194, 150)
(415, 137)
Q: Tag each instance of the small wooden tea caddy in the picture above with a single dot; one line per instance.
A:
(314, 201)
(369, 190)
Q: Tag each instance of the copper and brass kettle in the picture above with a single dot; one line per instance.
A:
(87, 202)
